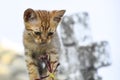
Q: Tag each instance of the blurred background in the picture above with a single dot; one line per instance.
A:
(103, 21)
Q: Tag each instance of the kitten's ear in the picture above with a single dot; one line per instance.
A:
(58, 15)
(29, 15)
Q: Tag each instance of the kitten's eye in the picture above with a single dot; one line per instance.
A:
(37, 33)
(50, 33)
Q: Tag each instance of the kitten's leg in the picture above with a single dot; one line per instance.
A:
(32, 67)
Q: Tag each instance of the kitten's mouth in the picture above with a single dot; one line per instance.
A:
(43, 43)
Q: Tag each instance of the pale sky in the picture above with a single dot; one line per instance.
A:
(104, 23)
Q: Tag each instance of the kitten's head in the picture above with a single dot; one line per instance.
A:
(42, 24)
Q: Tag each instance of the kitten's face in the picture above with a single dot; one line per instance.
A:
(42, 24)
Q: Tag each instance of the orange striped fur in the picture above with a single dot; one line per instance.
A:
(39, 37)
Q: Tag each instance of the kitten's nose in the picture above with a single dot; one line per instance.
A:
(43, 41)
(43, 38)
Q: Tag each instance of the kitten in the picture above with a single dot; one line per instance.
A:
(40, 37)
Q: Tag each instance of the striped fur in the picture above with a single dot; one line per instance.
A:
(39, 37)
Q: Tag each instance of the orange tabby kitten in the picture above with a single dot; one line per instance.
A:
(40, 37)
